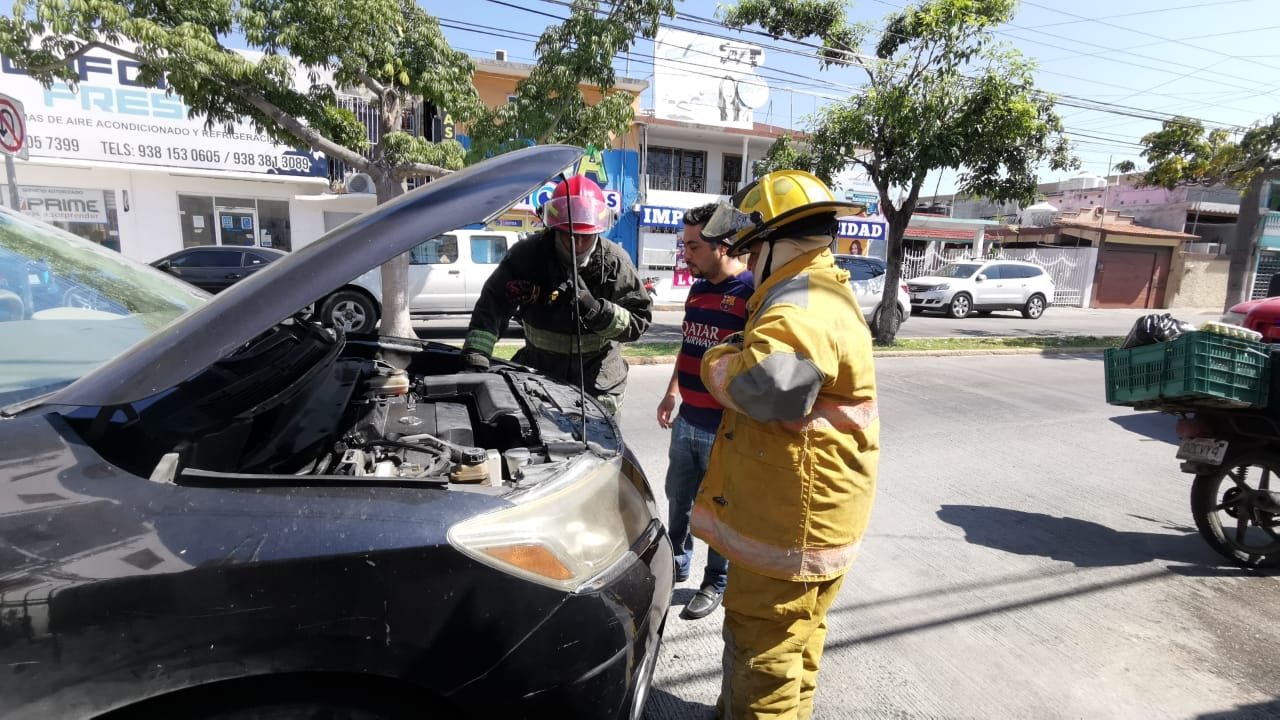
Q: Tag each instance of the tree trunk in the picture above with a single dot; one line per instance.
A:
(887, 330)
(395, 272)
(1242, 245)
(886, 333)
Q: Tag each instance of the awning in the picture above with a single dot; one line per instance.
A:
(1206, 207)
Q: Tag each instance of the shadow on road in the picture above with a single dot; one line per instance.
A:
(1080, 542)
(1151, 425)
(1260, 711)
(662, 705)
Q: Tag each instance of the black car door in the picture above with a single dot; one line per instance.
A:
(210, 269)
(255, 261)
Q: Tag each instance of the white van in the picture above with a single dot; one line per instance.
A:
(446, 275)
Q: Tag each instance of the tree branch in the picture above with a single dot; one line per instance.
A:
(307, 134)
(404, 171)
(372, 84)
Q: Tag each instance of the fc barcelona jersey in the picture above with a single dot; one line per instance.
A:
(713, 312)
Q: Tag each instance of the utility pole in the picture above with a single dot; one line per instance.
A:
(12, 176)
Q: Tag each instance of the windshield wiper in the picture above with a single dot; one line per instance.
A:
(23, 405)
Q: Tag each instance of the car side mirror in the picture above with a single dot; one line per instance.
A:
(162, 265)
(980, 277)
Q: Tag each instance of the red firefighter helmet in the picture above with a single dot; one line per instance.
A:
(580, 199)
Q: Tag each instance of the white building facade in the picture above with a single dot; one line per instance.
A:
(120, 163)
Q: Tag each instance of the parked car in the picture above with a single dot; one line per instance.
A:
(866, 277)
(214, 268)
(446, 275)
(1262, 315)
(961, 288)
(211, 509)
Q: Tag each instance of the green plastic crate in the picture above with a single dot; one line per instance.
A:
(1196, 368)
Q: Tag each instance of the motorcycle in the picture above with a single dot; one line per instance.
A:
(1222, 384)
(1234, 455)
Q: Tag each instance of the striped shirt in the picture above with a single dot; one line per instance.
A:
(713, 312)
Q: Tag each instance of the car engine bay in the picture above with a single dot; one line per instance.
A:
(302, 405)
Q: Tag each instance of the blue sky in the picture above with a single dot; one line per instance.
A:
(1216, 60)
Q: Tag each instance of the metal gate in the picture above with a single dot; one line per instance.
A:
(1071, 268)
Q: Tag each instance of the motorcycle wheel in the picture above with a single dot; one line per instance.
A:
(1235, 512)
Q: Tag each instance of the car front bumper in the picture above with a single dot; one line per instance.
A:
(594, 656)
(930, 300)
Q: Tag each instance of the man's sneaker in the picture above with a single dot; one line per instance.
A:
(703, 603)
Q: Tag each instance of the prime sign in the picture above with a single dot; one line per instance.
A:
(72, 205)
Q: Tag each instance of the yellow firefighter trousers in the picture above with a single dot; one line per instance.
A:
(774, 631)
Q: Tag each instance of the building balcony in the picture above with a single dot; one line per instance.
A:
(729, 187)
(1271, 230)
(676, 184)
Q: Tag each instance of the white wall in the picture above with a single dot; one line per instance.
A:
(151, 227)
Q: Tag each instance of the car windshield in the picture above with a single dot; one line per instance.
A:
(68, 305)
(958, 270)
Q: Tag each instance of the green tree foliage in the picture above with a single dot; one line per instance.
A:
(786, 154)
(550, 105)
(1183, 152)
(939, 94)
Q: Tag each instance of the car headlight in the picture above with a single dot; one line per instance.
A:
(1233, 318)
(936, 288)
(564, 532)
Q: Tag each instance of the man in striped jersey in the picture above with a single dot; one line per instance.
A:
(716, 308)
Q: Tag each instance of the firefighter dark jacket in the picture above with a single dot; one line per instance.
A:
(532, 284)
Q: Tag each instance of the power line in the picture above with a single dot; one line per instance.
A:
(766, 73)
(1197, 6)
(1141, 32)
(1105, 49)
(1059, 98)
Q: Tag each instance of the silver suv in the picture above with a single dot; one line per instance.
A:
(961, 288)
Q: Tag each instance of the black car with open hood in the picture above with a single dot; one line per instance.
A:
(213, 508)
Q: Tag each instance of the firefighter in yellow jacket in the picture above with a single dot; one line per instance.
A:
(792, 475)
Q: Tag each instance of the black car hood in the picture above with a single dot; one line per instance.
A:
(235, 316)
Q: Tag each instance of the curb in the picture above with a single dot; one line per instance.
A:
(670, 359)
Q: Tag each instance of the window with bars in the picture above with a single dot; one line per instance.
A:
(676, 169)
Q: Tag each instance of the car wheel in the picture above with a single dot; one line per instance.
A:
(960, 307)
(350, 310)
(1034, 307)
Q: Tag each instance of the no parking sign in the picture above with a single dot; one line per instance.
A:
(13, 128)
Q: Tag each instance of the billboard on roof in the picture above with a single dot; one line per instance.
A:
(707, 80)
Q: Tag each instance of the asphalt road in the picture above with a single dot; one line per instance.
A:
(1031, 555)
(1055, 321)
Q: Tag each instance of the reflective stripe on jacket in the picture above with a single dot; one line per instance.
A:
(790, 484)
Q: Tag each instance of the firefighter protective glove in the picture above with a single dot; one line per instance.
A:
(473, 361)
(588, 306)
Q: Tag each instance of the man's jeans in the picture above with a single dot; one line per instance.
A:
(687, 462)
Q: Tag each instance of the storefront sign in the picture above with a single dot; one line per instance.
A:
(656, 216)
(112, 117)
(516, 221)
(70, 205)
(861, 228)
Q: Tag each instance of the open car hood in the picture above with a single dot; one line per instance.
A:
(235, 316)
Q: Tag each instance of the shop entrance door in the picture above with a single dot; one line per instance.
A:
(237, 226)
